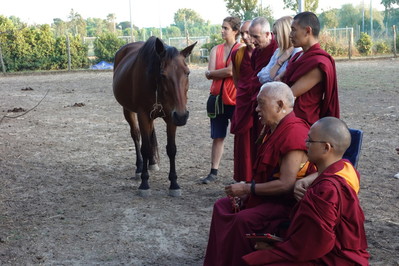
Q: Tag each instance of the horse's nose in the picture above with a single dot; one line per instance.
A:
(180, 119)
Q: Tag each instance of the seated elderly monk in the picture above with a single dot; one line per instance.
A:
(268, 200)
(327, 226)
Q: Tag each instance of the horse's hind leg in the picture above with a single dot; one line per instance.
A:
(154, 159)
(131, 118)
(174, 189)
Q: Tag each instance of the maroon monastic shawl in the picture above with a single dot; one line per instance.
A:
(322, 99)
(248, 87)
(227, 242)
(244, 123)
(329, 220)
(290, 134)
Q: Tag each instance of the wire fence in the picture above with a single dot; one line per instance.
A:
(342, 42)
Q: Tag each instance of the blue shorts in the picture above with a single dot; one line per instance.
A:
(220, 123)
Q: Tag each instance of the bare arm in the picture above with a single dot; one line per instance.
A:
(221, 73)
(290, 165)
(306, 82)
(280, 76)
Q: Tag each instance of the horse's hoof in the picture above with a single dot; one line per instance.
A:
(144, 193)
(153, 167)
(138, 175)
(175, 192)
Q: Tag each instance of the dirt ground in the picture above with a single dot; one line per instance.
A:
(66, 197)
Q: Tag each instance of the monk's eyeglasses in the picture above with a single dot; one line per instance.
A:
(317, 141)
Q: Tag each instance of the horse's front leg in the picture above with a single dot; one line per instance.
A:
(174, 189)
(146, 127)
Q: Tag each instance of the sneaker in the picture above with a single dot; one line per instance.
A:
(210, 178)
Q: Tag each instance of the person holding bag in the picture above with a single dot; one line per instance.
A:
(220, 106)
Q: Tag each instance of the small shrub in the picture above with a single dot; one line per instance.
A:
(332, 47)
(364, 44)
(381, 47)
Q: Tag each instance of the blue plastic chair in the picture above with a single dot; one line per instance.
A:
(353, 152)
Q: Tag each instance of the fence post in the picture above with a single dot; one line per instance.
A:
(394, 41)
(69, 52)
(3, 67)
(350, 43)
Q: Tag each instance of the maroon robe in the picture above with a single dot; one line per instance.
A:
(321, 100)
(227, 242)
(327, 226)
(244, 124)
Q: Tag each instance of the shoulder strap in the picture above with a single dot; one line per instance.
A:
(227, 60)
(231, 50)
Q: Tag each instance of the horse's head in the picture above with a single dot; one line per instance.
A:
(174, 74)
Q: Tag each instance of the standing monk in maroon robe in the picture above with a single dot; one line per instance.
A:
(311, 74)
(244, 124)
(327, 226)
(269, 199)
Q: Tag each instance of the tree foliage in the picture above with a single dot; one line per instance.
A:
(106, 45)
(329, 19)
(351, 16)
(77, 24)
(37, 48)
(248, 9)
(389, 3)
(310, 5)
(187, 20)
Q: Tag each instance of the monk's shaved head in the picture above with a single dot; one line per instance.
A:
(277, 90)
(335, 132)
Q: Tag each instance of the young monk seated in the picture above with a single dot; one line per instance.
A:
(268, 200)
(327, 225)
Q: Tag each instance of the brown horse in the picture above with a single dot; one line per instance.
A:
(151, 80)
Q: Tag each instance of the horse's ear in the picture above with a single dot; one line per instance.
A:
(187, 51)
(159, 47)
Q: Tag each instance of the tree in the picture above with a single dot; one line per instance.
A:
(349, 16)
(186, 18)
(111, 18)
(391, 14)
(77, 25)
(248, 9)
(95, 26)
(389, 3)
(310, 5)
(244, 9)
(59, 26)
(329, 19)
(173, 31)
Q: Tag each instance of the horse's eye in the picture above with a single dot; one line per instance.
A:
(188, 73)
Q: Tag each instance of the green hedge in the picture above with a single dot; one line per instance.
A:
(36, 48)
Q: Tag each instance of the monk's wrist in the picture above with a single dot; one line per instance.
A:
(252, 188)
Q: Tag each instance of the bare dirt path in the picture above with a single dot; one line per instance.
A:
(65, 193)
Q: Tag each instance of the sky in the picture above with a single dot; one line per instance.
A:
(145, 13)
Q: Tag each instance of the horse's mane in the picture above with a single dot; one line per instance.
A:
(149, 55)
